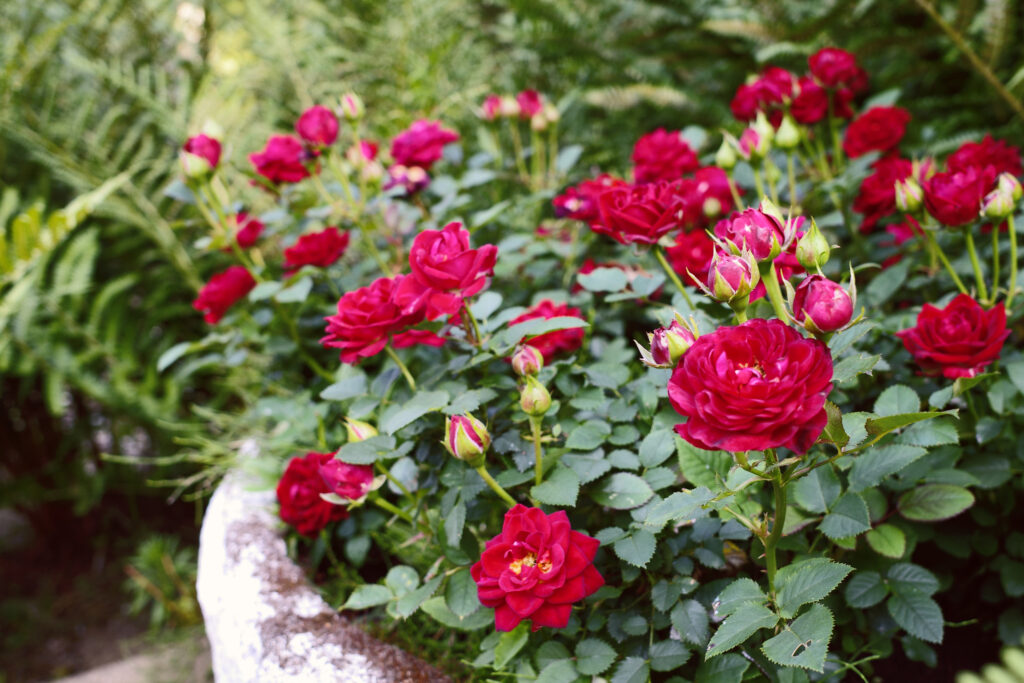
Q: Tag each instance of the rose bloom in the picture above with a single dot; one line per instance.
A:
(319, 249)
(421, 144)
(535, 569)
(641, 214)
(205, 147)
(752, 229)
(879, 129)
(755, 386)
(552, 343)
(318, 126)
(298, 493)
(958, 340)
(767, 93)
(368, 318)
(580, 202)
(811, 103)
(821, 305)
(692, 253)
(661, 155)
(282, 160)
(491, 108)
(351, 482)
(877, 196)
(954, 198)
(712, 186)
(994, 156)
(530, 103)
(223, 289)
(836, 68)
(445, 271)
(249, 229)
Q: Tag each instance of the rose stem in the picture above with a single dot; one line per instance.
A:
(758, 184)
(537, 151)
(978, 277)
(495, 486)
(791, 172)
(401, 366)
(780, 519)
(735, 193)
(1012, 287)
(770, 177)
(517, 145)
(552, 169)
(327, 547)
(771, 285)
(472, 320)
(837, 150)
(672, 275)
(945, 261)
(387, 473)
(995, 262)
(293, 332)
(538, 450)
(395, 510)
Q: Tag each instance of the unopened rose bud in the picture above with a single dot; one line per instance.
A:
(538, 122)
(821, 305)
(527, 361)
(509, 107)
(1008, 183)
(352, 107)
(668, 344)
(909, 195)
(551, 113)
(997, 205)
(725, 157)
(812, 250)
(787, 137)
(712, 207)
(357, 430)
(200, 155)
(534, 398)
(732, 277)
(491, 108)
(467, 439)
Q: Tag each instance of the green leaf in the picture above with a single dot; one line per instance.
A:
(510, 643)
(594, 656)
(537, 326)
(296, 292)
(411, 601)
(454, 523)
(737, 594)
(657, 447)
(172, 354)
(401, 579)
(818, 490)
(557, 672)
(807, 581)
(1015, 371)
(804, 643)
(740, 625)
(934, 502)
(368, 595)
(469, 401)
(559, 488)
(874, 465)
(702, 467)
(461, 595)
(438, 610)
(567, 158)
(622, 491)
(886, 283)
(865, 589)
(678, 506)
(910, 578)
(588, 435)
(367, 451)
(728, 668)
(845, 339)
(887, 540)
(631, 670)
(264, 290)
(877, 426)
(587, 466)
(918, 614)
(834, 432)
(350, 387)
(637, 548)
(896, 400)
(603, 280)
(848, 517)
(851, 366)
(691, 620)
(668, 654)
(607, 375)
(419, 405)
(932, 433)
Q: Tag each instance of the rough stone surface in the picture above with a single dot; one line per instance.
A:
(264, 621)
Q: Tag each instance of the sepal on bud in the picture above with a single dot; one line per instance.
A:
(909, 195)
(812, 250)
(357, 430)
(1000, 203)
(466, 438)
(731, 278)
(787, 137)
(668, 344)
(725, 157)
(527, 360)
(534, 398)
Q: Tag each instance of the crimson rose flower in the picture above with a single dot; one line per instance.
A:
(661, 155)
(954, 198)
(249, 229)
(877, 196)
(835, 68)
(530, 103)
(551, 343)
(767, 93)
(754, 230)
(282, 160)
(958, 340)
(811, 103)
(692, 252)
(994, 155)
(580, 202)
(535, 569)
(491, 108)
(421, 144)
(642, 214)
(445, 271)
(205, 147)
(318, 126)
(879, 129)
(754, 386)
(369, 317)
(298, 493)
(223, 289)
(712, 185)
(351, 482)
(319, 249)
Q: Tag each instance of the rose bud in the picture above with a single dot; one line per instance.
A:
(668, 344)
(753, 230)
(357, 430)
(352, 107)
(351, 483)
(551, 113)
(491, 108)
(530, 104)
(509, 107)
(534, 398)
(1008, 183)
(725, 157)
(787, 137)
(317, 126)
(997, 205)
(527, 361)
(750, 146)
(909, 195)
(731, 277)
(467, 439)
(821, 305)
(812, 250)
(200, 155)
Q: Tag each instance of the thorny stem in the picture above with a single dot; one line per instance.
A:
(401, 366)
(495, 486)
(672, 275)
(945, 261)
(538, 449)
(979, 279)
(780, 519)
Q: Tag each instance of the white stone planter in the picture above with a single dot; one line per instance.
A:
(264, 621)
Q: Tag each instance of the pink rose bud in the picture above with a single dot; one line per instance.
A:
(467, 439)
(909, 195)
(350, 482)
(352, 107)
(317, 126)
(527, 361)
(1008, 183)
(752, 230)
(357, 430)
(200, 155)
(812, 250)
(491, 108)
(668, 344)
(534, 398)
(821, 305)
(530, 104)
(732, 277)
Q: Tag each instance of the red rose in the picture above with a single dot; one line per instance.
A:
(958, 340)
(712, 186)
(445, 270)
(580, 202)
(351, 482)
(318, 126)
(755, 386)
(995, 156)
(368, 318)
(879, 129)
(551, 343)
(821, 305)
(835, 68)
(530, 103)
(249, 229)
(811, 103)
(642, 214)
(205, 147)
(282, 160)
(223, 289)
(954, 198)
(298, 493)
(661, 155)
(319, 249)
(877, 196)
(767, 94)
(421, 144)
(746, 102)
(491, 108)
(692, 252)
(535, 569)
